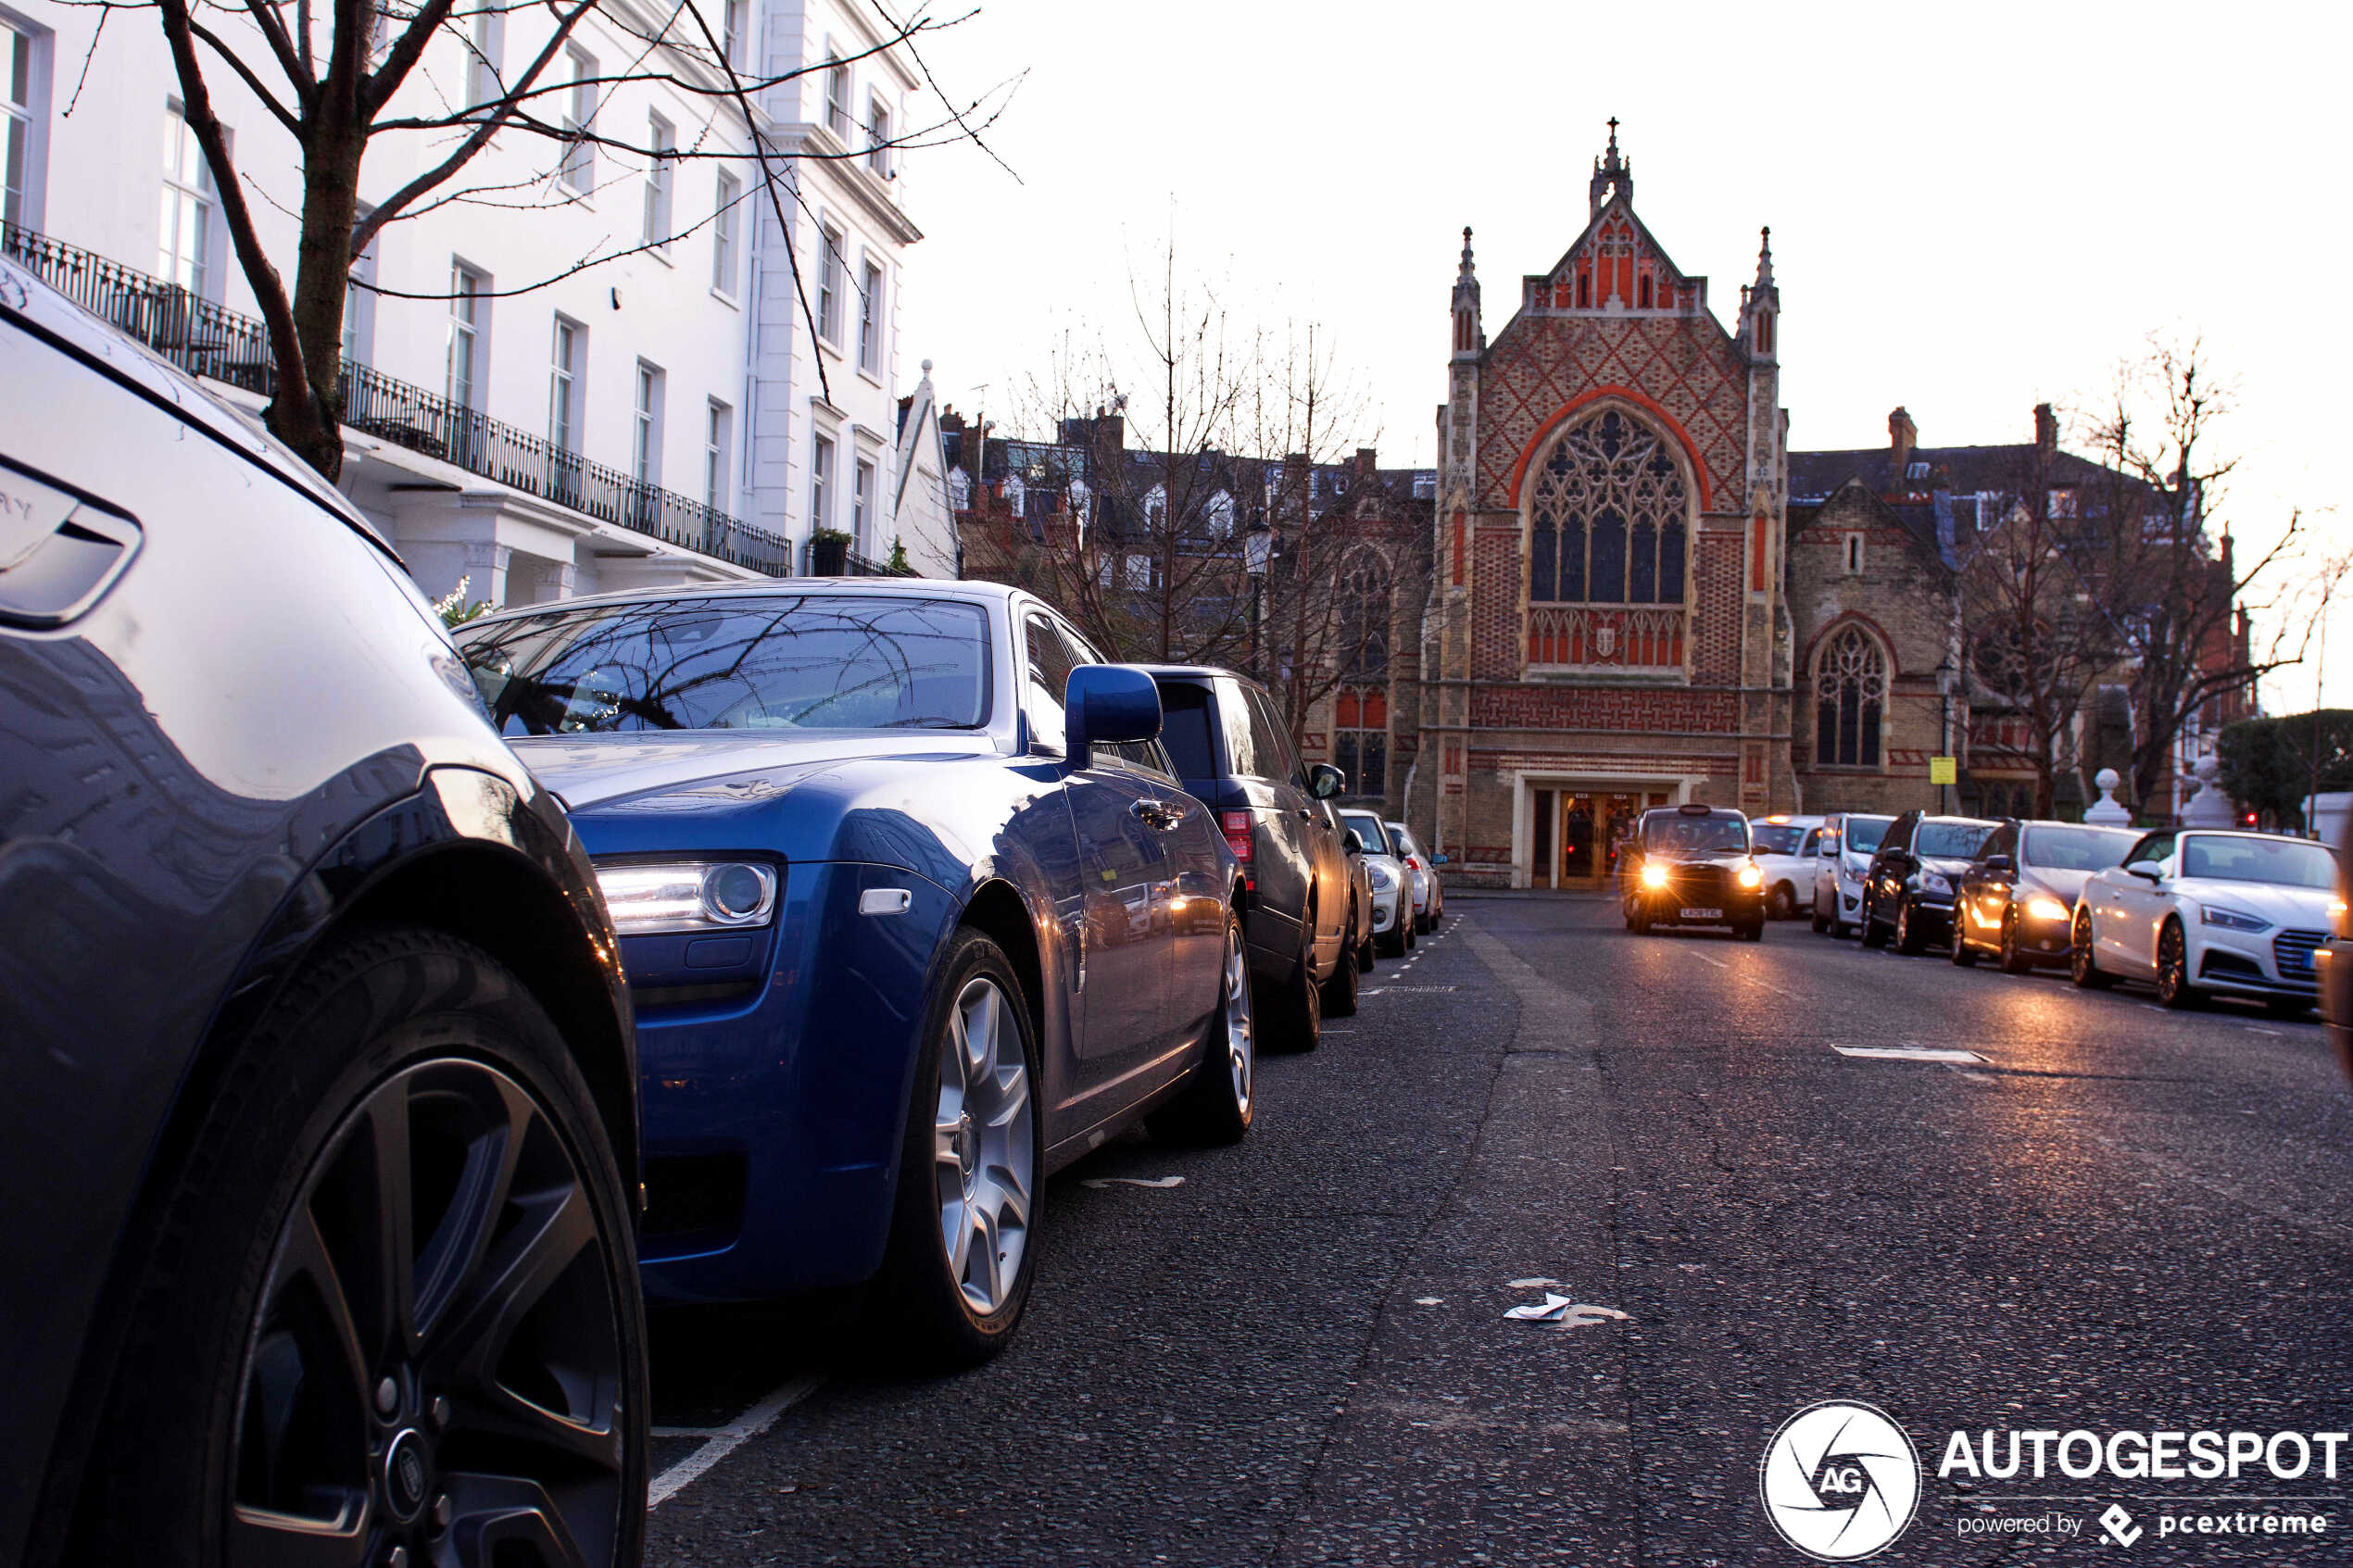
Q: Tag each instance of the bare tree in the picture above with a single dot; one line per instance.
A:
(2157, 560)
(343, 78)
(2030, 644)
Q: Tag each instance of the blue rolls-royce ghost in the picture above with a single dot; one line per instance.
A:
(913, 912)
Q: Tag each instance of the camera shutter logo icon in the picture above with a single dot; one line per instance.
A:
(1840, 1481)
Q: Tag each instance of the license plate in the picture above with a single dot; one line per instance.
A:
(1703, 914)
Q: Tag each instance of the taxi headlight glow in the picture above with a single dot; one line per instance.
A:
(2046, 908)
(1654, 875)
(1750, 875)
(648, 899)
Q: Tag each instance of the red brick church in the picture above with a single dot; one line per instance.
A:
(1607, 629)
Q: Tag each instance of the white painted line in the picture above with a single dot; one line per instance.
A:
(1907, 1053)
(1719, 963)
(721, 1441)
(2273, 1033)
(1099, 1182)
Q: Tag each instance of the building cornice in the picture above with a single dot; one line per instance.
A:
(848, 175)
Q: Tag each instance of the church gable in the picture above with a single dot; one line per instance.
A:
(1615, 266)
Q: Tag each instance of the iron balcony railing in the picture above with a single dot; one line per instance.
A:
(205, 340)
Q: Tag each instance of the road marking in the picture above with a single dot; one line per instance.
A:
(2275, 1034)
(1099, 1182)
(721, 1441)
(1907, 1053)
(1719, 963)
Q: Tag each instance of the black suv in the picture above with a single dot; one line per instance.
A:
(1235, 757)
(322, 1108)
(1693, 865)
(1908, 892)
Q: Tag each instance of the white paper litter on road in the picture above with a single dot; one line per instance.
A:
(1566, 1311)
(1907, 1053)
(1537, 1283)
(1155, 1182)
(1428, 1301)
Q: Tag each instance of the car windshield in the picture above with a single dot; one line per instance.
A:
(1863, 833)
(1949, 841)
(1774, 838)
(1367, 827)
(800, 661)
(2077, 849)
(2290, 862)
(1679, 834)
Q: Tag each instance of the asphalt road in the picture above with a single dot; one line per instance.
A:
(2121, 1218)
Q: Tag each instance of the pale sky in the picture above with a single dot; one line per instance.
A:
(1974, 208)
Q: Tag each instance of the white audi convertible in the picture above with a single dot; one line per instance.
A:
(2210, 911)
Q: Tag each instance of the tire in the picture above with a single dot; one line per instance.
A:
(1784, 906)
(1295, 1014)
(1410, 936)
(1964, 956)
(953, 1306)
(2083, 964)
(2014, 960)
(1909, 941)
(395, 1041)
(1874, 935)
(1217, 1103)
(1753, 932)
(1365, 954)
(1391, 942)
(2174, 986)
(1821, 921)
(1340, 991)
(1639, 923)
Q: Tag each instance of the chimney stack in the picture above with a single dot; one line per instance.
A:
(2046, 432)
(1902, 436)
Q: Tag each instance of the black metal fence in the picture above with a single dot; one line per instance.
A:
(203, 339)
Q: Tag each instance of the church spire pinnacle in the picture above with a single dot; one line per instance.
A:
(1612, 173)
(1765, 260)
(1467, 338)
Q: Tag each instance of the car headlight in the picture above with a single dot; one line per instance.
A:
(1750, 875)
(1932, 882)
(2230, 919)
(649, 899)
(1383, 880)
(1654, 875)
(2043, 907)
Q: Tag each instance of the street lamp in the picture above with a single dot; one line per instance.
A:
(1258, 550)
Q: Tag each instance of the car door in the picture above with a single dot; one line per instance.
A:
(1121, 870)
(2136, 905)
(1262, 768)
(1985, 892)
(1883, 882)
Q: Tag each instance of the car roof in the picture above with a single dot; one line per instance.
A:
(1195, 671)
(132, 365)
(855, 587)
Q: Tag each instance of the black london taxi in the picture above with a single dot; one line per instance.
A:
(1693, 865)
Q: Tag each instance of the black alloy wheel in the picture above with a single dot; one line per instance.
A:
(394, 1315)
(1295, 1018)
(2173, 987)
(2014, 960)
(2082, 963)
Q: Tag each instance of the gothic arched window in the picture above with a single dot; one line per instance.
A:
(1608, 517)
(1850, 686)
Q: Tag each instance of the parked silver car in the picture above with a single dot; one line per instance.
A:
(1843, 858)
(1429, 894)
(1393, 882)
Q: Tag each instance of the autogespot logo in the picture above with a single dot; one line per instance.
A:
(1840, 1480)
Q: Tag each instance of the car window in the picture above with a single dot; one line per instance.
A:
(1050, 666)
(1950, 841)
(1899, 833)
(1813, 844)
(798, 661)
(2289, 862)
(1778, 838)
(2152, 850)
(1369, 827)
(1405, 845)
(1270, 743)
(1185, 718)
(1242, 748)
(1998, 842)
(2076, 848)
(1675, 833)
(1863, 833)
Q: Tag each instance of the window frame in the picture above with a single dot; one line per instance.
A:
(202, 197)
(661, 144)
(718, 443)
(1669, 518)
(24, 124)
(468, 323)
(1871, 708)
(649, 391)
(870, 315)
(728, 192)
(821, 475)
(878, 131)
(862, 496)
(577, 172)
(829, 284)
(567, 383)
(836, 95)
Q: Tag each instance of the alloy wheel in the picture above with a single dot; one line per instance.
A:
(1240, 1049)
(434, 1372)
(2173, 987)
(984, 1146)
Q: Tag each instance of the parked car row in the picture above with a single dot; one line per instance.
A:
(2194, 912)
(401, 1014)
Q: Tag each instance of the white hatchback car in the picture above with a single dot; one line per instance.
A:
(1843, 852)
(1392, 883)
(1785, 852)
(2210, 911)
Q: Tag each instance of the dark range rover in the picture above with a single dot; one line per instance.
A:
(1691, 865)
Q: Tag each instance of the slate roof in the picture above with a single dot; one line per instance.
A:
(1963, 469)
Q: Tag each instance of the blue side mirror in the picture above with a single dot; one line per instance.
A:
(1440, 859)
(1107, 704)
